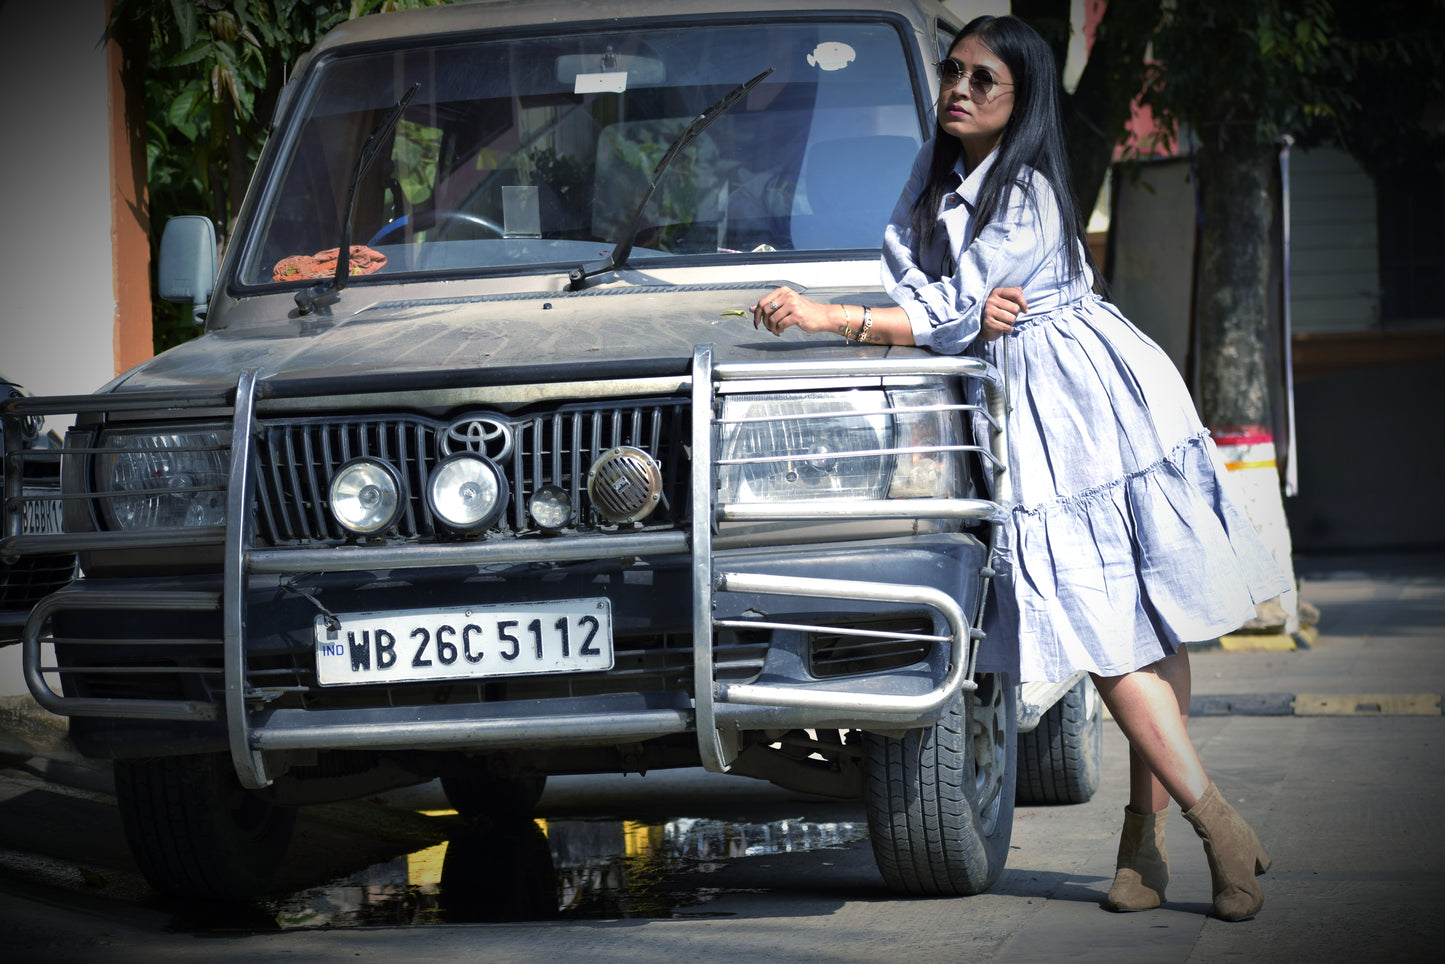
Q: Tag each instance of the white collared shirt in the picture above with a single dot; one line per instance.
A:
(943, 290)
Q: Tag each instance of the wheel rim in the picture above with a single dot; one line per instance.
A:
(990, 743)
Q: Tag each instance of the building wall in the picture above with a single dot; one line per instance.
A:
(57, 297)
(1152, 269)
(1334, 257)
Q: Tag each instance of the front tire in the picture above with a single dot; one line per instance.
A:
(195, 832)
(940, 800)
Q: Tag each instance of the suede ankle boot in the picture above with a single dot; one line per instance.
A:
(1234, 853)
(1143, 866)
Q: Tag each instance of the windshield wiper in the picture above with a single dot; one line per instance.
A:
(328, 292)
(577, 277)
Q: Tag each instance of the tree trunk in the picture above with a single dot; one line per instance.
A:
(1232, 302)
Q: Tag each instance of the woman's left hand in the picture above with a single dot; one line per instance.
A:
(1000, 311)
(784, 308)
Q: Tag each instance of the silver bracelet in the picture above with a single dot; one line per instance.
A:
(867, 323)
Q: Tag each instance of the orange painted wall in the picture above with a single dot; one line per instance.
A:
(129, 215)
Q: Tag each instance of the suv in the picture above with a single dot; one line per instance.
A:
(513, 488)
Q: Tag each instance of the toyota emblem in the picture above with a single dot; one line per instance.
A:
(486, 435)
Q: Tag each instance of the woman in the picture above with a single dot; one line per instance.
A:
(1122, 545)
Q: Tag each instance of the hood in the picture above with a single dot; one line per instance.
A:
(598, 333)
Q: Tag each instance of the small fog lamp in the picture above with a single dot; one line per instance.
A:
(466, 492)
(366, 496)
(550, 507)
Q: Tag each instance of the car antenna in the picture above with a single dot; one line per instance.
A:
(308, 299)
(622, 250)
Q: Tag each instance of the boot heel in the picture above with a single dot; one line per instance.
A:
(1233, 850)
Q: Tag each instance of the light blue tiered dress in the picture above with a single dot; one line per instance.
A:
(1122, 542)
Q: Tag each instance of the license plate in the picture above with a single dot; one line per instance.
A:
(567, 636)
(42, 518)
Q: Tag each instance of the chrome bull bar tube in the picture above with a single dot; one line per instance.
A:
(715, 746)
(249, 762)
(178, 601)
(960, 639)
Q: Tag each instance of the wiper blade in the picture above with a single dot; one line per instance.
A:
(309, 298)
(621, 251)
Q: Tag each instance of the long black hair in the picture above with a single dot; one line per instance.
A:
(1033, 136)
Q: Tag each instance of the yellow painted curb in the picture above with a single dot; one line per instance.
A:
(1367, 704)
(1264, 642)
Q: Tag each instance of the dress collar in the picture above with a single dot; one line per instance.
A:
(971, 183)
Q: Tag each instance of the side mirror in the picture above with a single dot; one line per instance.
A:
(187, 270)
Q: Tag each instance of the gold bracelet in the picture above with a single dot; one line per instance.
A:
(867, 323)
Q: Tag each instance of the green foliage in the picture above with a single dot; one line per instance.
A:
(1396, 75)
(417, 150)
(1247, 70)
(213, 72)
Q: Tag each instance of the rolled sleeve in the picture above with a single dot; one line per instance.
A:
(945, 307)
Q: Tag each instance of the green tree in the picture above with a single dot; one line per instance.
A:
(213, 70)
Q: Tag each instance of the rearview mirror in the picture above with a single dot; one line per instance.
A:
(597, 73)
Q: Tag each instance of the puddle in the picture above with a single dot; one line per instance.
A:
(551, 869)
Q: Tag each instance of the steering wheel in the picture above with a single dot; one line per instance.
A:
(440, 221)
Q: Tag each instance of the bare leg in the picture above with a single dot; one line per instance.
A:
(1146, 794)
(1150, 707)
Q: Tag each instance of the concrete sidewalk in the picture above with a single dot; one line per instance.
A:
(1378, 649)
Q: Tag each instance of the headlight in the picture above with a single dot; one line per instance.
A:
(366, 496)
(466, 492)
(164, 479)
(788, 448)
(865, 444)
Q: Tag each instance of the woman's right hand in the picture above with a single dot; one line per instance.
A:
(784, 308)
(1002, 308)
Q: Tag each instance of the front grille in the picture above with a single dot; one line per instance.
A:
(296, 460)
(32, 578)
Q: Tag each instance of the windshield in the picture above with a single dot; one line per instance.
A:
(520, 152)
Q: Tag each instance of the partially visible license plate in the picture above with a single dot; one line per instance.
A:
(567, 636)
(42, 517)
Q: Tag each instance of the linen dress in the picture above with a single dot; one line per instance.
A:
(1122, 542)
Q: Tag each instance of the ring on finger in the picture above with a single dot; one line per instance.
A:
(772, 306)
